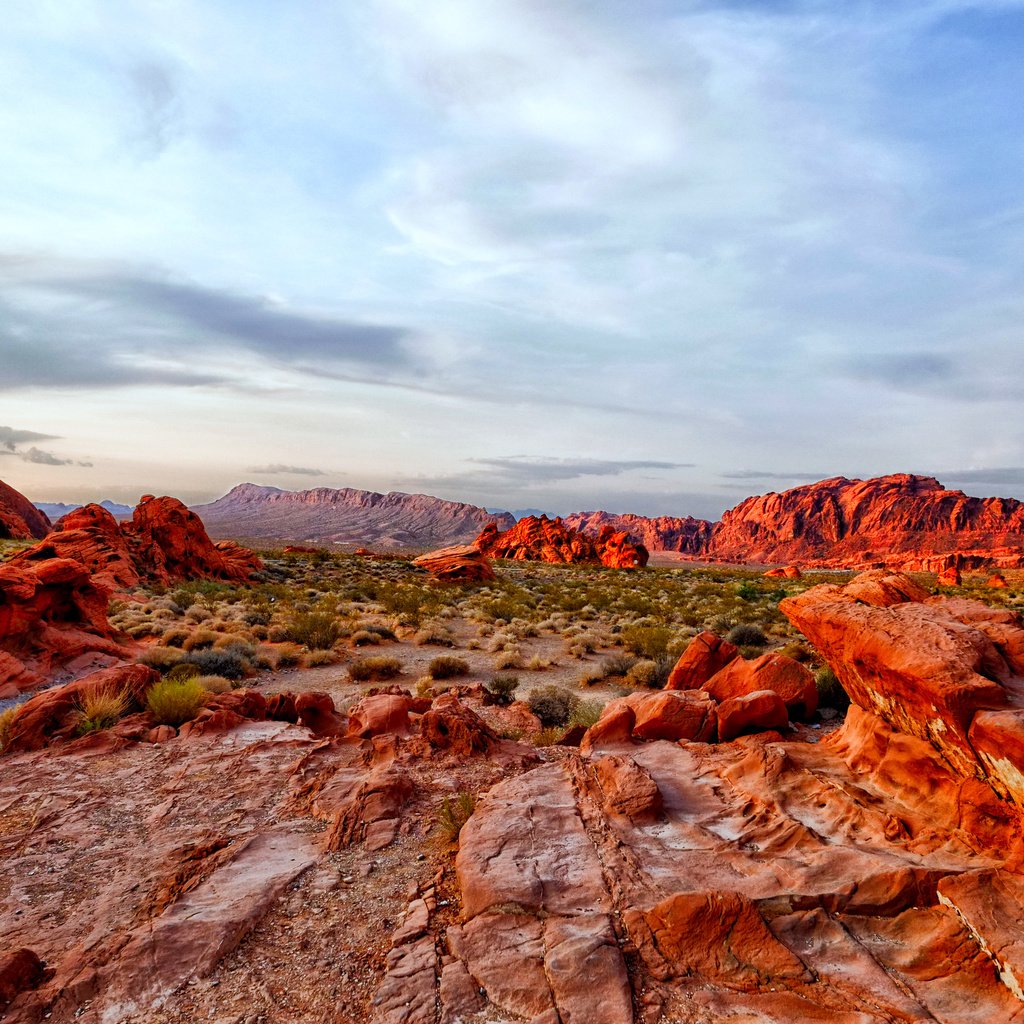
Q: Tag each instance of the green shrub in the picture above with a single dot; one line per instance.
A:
(502, 688)
(553, 705)
(830, 691)
(647, 641)
(447, 667)
(230, 662)
(746, 634)
(186, 670)
(374, 669)
(172, 703)
(453, 814)
(319, 631)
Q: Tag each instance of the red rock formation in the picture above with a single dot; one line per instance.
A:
(539, 539)
(163, 543)
(659, 533)
(19, 518)
(901, 520)
(705, 655)
(997, 581)
(792, 681)
(52, 613)
(755, 711)
(460, 564)
(788, 572)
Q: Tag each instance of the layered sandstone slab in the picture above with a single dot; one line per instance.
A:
(458, 564)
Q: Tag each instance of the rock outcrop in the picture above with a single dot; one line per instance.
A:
(19, 518)
(459, 564)
(162, 543)
(328, 515)
(657, 533)
(539, 539)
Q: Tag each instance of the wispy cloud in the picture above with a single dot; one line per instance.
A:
(10, 438)
(278, 469)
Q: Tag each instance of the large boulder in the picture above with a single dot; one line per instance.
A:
(19, 518)
(793, 682)
(705, 655)
(458, 564)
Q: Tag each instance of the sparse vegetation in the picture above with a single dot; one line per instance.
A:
(319, 631)
(830, 691)
(553, 705)
(453, 814)
(502, 688)
(101, 709)
(447, 667)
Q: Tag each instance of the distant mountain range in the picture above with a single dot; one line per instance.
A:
(322, 515)
(56, 509)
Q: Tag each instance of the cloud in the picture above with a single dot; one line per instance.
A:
(43, 458)
(540, 470)
(278, 468)
(10, 438)
(1009, 476)
(155, 88)
(759, 474)
(78, 324)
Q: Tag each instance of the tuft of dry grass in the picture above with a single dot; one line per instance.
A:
(6, 724)
(453, 814)
(374, 669)
(101, 709)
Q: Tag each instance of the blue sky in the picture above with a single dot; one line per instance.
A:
(649, 257)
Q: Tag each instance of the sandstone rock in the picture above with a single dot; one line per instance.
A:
(379, 714)
(627, 788)
(20, 970)
(452, 727)
(673, 716)
(661, 533)
(949, 578)
(705, 655)
(539, 539)
(916, 665)
(315, 710)
(793, 682)
(788, 572)
(19, 518)
(459, 564)
(750, 712)
(997, 581)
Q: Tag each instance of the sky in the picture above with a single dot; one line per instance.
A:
(561, 254)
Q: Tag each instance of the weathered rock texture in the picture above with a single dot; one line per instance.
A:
(19, 518)
(459, 564)
(345, 515)
(902, 521)
(539, 539)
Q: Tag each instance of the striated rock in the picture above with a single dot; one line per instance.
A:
(379, 714)
(661, 533)
(345, 515)
(539, 539)
(788, 572)
(452, 727)
(793, 682)
(949, 577)
(686, 715)
(756, 711)
(52, 612)
(705, 655)
(465, 564)
(19, 518)
(315, 710)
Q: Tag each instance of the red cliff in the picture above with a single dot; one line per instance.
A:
(659, 533)
(19, 518)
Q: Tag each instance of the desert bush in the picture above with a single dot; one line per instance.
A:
(434, 635)
(213, 684)
(197, 613)
(365, 638)
(287, 655)
(256, 617)
(384, 632)
(186, 670)
(425, 687)
(651, 672)
(319, 631)
(830, 691)
(172, 703)
(175, 636)
(647, 641)
(508, 659)
(447, 667)
(553, 705)
(375, 668)
(230, 662)
(618, 664)
(7, 718)
(200, 638)
(746, 634)
(162, 658)
(502, 688)
(316, 658)
(453, 814)
(548, 736)
(586, 713)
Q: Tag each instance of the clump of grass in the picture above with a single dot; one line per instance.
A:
(650, 672)
(101, 709)
(315, 658)
(548, 736)
(618, 664)
(502, 688)
(199, 639)
(453, 814)
(174, 703)
(288, 655)
(586, 713)
(364, 638)
(747, 634)
(647, 641)
(214, 684)
(186, 670)
(434, 635)
(447, 667)
(6, 726)
(374, 669)
(508, 659)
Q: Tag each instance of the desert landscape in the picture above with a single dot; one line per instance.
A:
(511, 512)
(557, 784)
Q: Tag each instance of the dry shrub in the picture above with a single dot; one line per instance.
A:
(453, 814)
(447, 667)
(374, 669)
(101, 709)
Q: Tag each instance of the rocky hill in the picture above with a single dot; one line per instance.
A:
(56, 509)
(345, 515)
(19, 518)
(904, 521)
